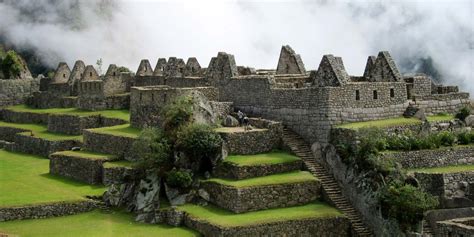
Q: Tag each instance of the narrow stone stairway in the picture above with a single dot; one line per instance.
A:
(302, 149)
(427, 231)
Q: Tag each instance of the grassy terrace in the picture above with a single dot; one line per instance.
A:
(445, 169)
(92, 224)
(400, 121)
(284, 178)
(25, 180)
(262, 159)
(41, 131)
(123, 130)
(226, 218)
(86, 154)
(237, 129)
(122, 163)
(118, 114)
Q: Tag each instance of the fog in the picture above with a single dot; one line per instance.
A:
(125, 31)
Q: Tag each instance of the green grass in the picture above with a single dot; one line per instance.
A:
(444, 169)
(41, 131)
(284, 178)
(91, 224)
(401, 121)
(123, 130)
(226, 218)
(122, 163)
(118, 114)
(86, 154)
(25, 180)
(271, 158)
(440, 117)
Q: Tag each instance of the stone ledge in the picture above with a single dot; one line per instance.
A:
(25, 143)
(233, 171)
(78, 168)
(24, 117)
(8, 133)
(118, 174)
(262, 197)
(330, 227)
(46, 210)
(119, 146)
(74, 124)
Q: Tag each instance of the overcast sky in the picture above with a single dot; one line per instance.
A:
(124, 32)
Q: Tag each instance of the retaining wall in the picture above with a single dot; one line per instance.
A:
(109, 144)
(17, 91)
(73, 124)
(25, 143)
(233, 171)
(86, 170)
(119, 175)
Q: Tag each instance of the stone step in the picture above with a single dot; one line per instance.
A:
(273, 191)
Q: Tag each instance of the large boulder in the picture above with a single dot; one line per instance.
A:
(469, 121)
(230, 121)
(147, 200)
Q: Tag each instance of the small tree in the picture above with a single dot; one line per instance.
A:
(153, 151)
(177, 114)
(179, 179)
(11, 65)
(463, 113)
(99, 64)
(123, 69)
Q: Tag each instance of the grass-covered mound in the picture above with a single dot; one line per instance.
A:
(271, 158)
(25, 180)
(284, 178)
(122, 163)
(124, 130)
(444, 169)
(112, 113)
(86, 155)
(383, 123)
(41, 131)
(95, 223)
(226, 218)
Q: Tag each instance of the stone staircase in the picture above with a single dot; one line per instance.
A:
(427, 231)
(329, 184)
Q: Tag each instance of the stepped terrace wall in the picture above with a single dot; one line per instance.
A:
(115, 174)
(254, 198)
(330, 227)
(46, 210)
(24, 117)
(8, 133)
(456, 227)
(25, 143)
(234, 171)
(73, 124)
(170, 81)
(462, 155)
(119, 146)
(17, 91)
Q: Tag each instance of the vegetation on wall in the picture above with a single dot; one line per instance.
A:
(10, 64)
(463, 113)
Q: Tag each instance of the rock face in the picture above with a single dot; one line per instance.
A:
(230, 121)
(469, 120)
(148, 198)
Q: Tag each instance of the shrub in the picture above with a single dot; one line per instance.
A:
(11, 64)
(463, 113)
(405, 203)
(199, 142)
(177, 114)
(179, 179)
(153, 150)
(447, 138)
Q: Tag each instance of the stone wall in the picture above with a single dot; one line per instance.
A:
(434, 216)
(444, 103)
(24, 117)
(434, 158)
(26, 143)
(254, 198)
(47, 99)
(109, 144)
(233, 171)
(14, 92)
(456, 227)
(118, 174)
(328, 227)
(170, 81)
(46, 210)
(73, 124)
(8, 133)
(88, 170)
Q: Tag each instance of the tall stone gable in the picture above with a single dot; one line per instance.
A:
(76, 75)
(112, 71)
(160, 67)
(144, 69)
(193, 68)
(175, 67)
(369, 66)
(290, 62)
(90, 74)
(385, 69)
(62, 73)
(221, 67)
(331, 72)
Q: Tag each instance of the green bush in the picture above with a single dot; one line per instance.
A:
(179, 179)
(177, 114)
(11, 64)
(199, 142)
(152, 150)
(447, 138)
(405, 203)
(463, 113)
(465, 137)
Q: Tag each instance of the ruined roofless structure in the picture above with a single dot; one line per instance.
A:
(309, 102)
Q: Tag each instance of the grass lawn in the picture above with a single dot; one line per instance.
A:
(226, 218)
(440, 117)
(122, 163)
(284, 178)
(113, 113)
(92, 224)
(86, 154)
(237, 129)
(444, 169)
(41, 131)
(123, 130)
(277, 157)
(381, 123)
(25, 179)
